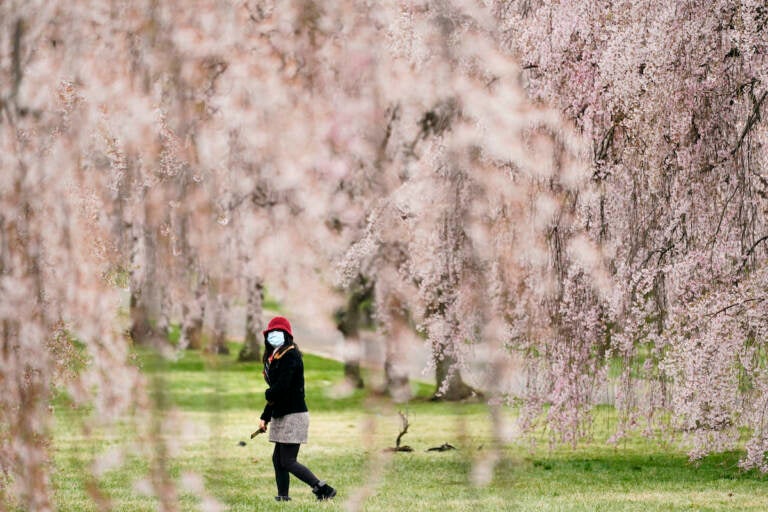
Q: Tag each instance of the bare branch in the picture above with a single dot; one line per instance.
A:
(404, 430)
(736, 304)
(750, 251)
(753, 118)
(16, 59)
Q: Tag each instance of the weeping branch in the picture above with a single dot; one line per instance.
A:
(18, 29)
(736, 304)
(749, 252)
(753, 118)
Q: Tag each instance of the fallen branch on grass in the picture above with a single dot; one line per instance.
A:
(403, 431)
(442, 448)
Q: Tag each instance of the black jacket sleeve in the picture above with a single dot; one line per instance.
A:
(266, 415)
(278, 390)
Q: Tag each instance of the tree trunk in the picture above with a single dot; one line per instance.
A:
(348, 322)
(141, 327)
(192, 314)
(192, 329)
(251, 350)
(352, 372)
(145, 302)
(453, 261)
(218, 343)
(147, 325)
(193, 317)
(449, 384)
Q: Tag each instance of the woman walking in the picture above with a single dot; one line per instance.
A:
(286, 410)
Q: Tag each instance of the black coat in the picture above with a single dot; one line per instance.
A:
(285, 377)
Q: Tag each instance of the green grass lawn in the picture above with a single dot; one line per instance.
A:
(219, 402)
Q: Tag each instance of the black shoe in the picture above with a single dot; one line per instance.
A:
(282, 498)
(323, 491)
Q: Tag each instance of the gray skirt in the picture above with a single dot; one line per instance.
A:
(291, 428)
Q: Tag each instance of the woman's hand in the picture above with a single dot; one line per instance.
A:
(261, 430)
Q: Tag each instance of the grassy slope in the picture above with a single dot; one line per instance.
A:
(221, 401)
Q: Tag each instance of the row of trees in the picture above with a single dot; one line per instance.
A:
(563, 183)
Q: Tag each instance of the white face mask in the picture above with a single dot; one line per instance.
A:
(276, 338)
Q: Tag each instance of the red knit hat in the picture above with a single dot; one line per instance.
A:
(279, 322)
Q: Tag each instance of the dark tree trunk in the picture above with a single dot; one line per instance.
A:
(218, 343)
(141, 328)
(352, 368)
(348, 322)
(193, 315)
(453, 261)
(146, 293)
(397, 381)
(251, 350)
(449, 384)
(192, 330)
(145, 301)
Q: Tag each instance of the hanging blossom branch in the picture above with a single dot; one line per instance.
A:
(753, 118)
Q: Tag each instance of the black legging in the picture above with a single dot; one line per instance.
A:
(284, 460)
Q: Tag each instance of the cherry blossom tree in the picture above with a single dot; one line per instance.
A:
(670, 95)
(435, 150)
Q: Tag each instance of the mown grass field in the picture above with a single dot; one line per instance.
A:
(219, 401)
